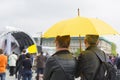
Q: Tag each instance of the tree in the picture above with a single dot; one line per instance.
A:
(113, 49)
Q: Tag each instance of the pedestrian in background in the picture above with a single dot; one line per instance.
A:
(27, 67)
(3, 65)
(61, 65)
(40, 65)
(12, 63)
(19, 64)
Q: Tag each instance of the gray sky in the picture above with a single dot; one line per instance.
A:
(35, 16)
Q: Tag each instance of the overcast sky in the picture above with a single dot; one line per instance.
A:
(35, 16)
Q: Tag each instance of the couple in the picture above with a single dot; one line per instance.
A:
(63, 66)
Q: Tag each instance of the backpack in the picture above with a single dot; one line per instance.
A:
(105, 71)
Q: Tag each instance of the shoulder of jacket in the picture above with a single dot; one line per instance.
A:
(51, 58)
(86, 52)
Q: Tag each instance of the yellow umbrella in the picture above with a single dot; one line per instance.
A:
(32, 49)
(80, 26)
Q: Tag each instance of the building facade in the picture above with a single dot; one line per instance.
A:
(104, 44)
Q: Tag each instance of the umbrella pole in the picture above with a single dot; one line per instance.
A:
(41, 40)
(80, 43)
(78, 12)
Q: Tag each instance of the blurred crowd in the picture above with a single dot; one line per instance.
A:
(22, 66)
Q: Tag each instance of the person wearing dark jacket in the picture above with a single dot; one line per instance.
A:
(27, 67)
(19, 64)
(61, 65)
(88, 62)
(118, 62)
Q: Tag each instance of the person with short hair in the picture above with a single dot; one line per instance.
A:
(27, 67)
(61, 65)
(3, 65)
(88, 62)
(19, 64)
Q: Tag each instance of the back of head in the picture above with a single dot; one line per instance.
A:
(13, 52)
(1, 51)
(63, 41)
(27, 55)
(92, 39)
(24, 51)
(41, 53)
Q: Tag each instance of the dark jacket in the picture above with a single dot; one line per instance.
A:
(27, 64)
(40, 61)
(19, 63)
(118, 62)
(26, 67)
(88, 63)
(60, 66)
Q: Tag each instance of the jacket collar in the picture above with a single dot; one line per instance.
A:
(90, 47)
(62, 52)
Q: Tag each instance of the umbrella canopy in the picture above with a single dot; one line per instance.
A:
(80, 26)
(32, 49)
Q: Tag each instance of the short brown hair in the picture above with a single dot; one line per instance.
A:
(92, 39)
(63, 41)
(23, 50)
(1, 51)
